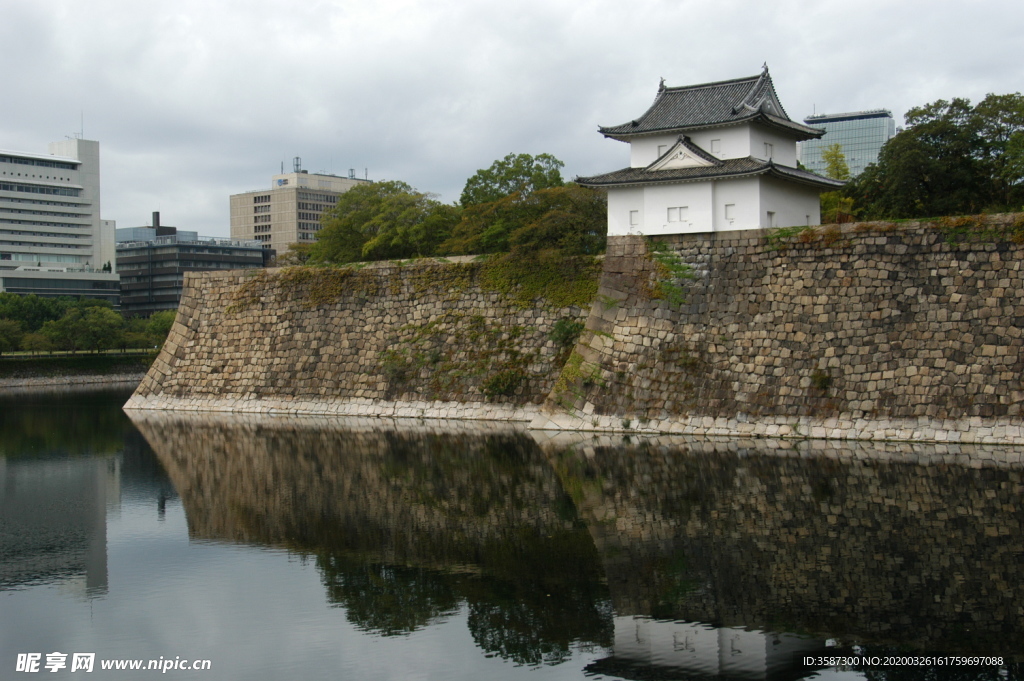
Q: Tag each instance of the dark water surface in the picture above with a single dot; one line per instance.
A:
(291, 548)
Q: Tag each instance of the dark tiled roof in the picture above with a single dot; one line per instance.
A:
(732, 167)
(710, 104)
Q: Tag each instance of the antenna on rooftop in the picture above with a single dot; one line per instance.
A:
(297, 164)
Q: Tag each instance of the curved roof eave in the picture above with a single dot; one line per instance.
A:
(801, 132)
(780, 172)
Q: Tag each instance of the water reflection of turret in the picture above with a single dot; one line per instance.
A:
(874, 543)
(406, 526)
(646, 648)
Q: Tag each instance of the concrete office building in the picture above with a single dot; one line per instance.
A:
(289, 212)
(152, 262)
(861, 134)
(52, 240)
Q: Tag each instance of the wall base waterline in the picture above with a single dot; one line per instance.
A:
(965, 431)
(354, 407)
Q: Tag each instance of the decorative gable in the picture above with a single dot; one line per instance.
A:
(684, 154)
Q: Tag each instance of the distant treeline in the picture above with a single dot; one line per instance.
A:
(519, 204)
(35, 324)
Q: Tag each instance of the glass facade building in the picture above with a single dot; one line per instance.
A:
(860, 133)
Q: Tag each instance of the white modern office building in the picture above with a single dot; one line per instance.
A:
(861, 134)
(289, 211)
(52, 239)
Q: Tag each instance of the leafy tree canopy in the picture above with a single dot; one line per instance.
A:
(569, 218)
(10, 335)
(835, 162)
(521, 173)
(951, 159)
(89, 327)
(381, 220)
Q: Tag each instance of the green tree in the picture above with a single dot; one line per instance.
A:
(1000, 123)
(835, 207)
(835, 162)
(31, 310)
(36, 342)
(159, 325)
(86, 327)
(568, 218)
(381, 220)
(521, 173)
(10, 335)
(951, 159)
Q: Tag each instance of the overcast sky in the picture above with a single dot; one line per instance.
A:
(193, 101)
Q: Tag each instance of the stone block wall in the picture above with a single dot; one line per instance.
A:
(413, 339)
(872, 330)
(907, 331)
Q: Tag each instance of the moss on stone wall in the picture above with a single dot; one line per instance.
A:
(547, 279)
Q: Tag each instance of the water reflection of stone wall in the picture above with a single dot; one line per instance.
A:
(904, 544)
(416, 495)
(405, 526)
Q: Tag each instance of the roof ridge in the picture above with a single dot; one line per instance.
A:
(731, 81)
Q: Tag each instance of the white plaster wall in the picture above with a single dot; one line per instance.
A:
(735, 140)
(745, 195)
(620, 202)
(793, 204)
(696, 196)
(784, 152)
(735, 143)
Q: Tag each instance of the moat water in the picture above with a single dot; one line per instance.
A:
(292, 548)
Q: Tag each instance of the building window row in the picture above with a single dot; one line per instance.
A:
(40, 202)
(38, 162)
(265, 208)
(38, 245)
(38, 177)
(32, 257)
(47, 213)
(40, 223)
(36, 189)
(320, 198)
(51, 235)
(259, 219)
(263, 198)
(309, 216)
(260, 228)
